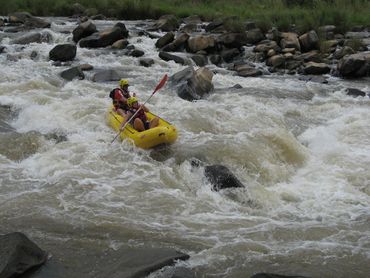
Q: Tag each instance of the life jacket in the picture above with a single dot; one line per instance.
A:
(141, 114)
(119, 99)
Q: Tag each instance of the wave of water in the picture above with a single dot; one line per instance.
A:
(301, 149)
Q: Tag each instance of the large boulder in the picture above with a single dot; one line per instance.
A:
(316, 68)
(178, 44)
(63, 52)
(201, 42)
(28, 20)
(276, 61)
(170, 57)
(309, 41)
(106, 37)
(83, 30)
(35, 37)
(192, 85)
(221, 177)
(19, 254)
(290, 40)
(355, 65)
(164, 40)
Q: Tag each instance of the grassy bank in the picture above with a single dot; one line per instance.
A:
(305, 14)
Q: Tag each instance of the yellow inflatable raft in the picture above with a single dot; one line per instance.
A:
(164, 133)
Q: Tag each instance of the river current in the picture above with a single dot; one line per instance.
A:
(301, 149)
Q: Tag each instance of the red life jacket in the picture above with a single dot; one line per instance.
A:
(141, 114)
(119, 99)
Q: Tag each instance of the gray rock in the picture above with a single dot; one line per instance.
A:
(221, 177)
(355, 65)
(28, 20)
(136, 53)
(72, 73)
(35, 37)
(248, 71)
(316, 68)
(106, 75)
(191, 84)
(86, 67)
(83, 30)
(146, 62)
(199, 60)
(63, 52)
(5, 113)
(289, 40)
(276, 61)
(106, 37)
(170, 57)
(355, 92)
(313, 78)
(340, 53)
(309, 41)
(120, 44)
(200, 42)
(164, 40)
(18, 254)
(266, 45)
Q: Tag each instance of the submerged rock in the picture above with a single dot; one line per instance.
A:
(355, 92)
(72, 73)
(221, 177)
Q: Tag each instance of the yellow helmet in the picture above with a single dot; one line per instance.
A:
(131, 101)
(123, 82)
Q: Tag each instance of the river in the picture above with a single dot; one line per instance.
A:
(301, 149)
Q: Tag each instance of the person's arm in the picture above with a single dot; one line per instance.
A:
(125, 119)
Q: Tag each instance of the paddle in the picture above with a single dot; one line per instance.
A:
(159, 86)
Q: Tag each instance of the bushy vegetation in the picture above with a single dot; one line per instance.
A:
(304, 14)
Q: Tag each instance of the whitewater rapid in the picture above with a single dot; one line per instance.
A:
(302, 150)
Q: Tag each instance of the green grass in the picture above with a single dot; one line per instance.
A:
(304, 14)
